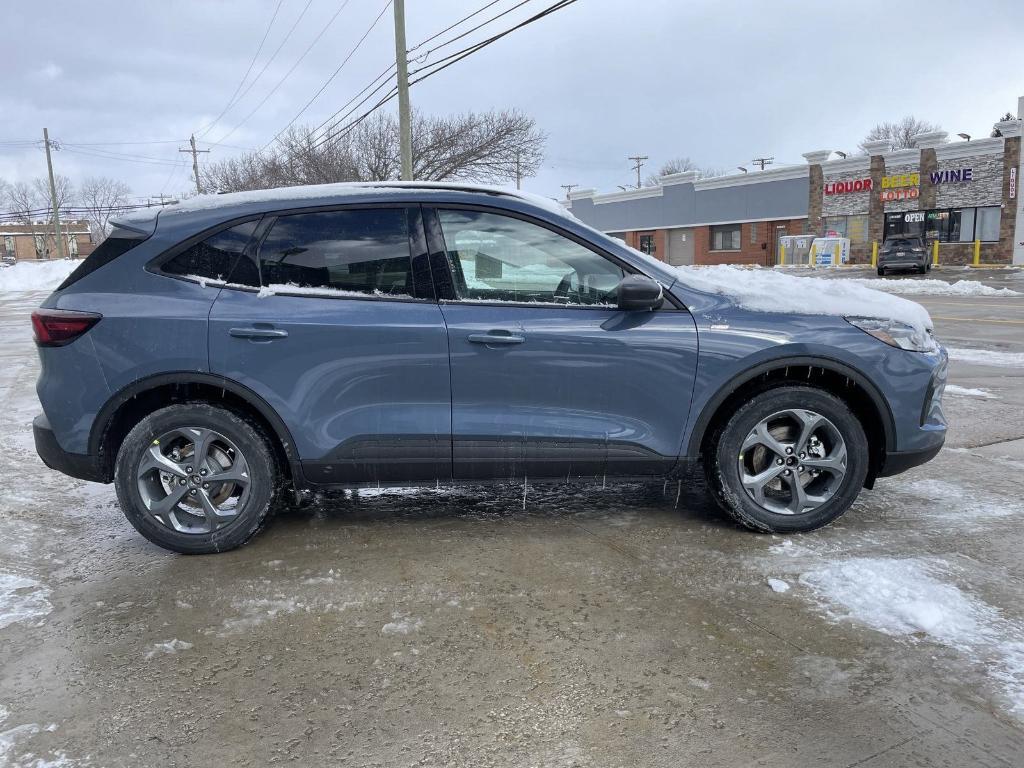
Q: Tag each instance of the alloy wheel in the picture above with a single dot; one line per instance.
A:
(193, 480)
(792, 462)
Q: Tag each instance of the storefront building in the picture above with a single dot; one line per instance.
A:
(962, 195)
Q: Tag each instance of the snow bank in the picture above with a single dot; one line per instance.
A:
(909, 598)
(911, 287)
(765, 290)
(987, 357)
(168, 647)
(36, 276)
(953, 389)
(22, 599)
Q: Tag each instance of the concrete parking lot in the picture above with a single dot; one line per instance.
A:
(538, 626)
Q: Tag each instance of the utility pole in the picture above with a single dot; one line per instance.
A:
(638, 162)
(568, 188)
(195, 161)
(404, 115)
(763, 161)
(53, 197)
(519, 173)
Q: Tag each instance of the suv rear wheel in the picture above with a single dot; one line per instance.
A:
(791, 459)
(195, 478)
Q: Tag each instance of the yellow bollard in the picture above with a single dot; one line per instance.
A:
(874, 253)
(782, 254)
(977, 253)
(935, 252)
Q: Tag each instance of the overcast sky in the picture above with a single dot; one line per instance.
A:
(721, 82)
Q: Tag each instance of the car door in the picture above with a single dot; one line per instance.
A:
(549, 378)
(340, 333)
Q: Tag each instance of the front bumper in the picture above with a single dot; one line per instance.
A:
(80, 465)
(900, 461)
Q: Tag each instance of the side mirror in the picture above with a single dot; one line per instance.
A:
(639, 292)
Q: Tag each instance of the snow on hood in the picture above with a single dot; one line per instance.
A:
(766, 290)
(341, 189)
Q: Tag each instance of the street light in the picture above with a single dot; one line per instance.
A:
(841, 154)
(741, 168)
(964, 136)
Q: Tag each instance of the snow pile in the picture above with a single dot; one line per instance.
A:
(953, 389)
(908, 598)
(402, 625)
(170, 647)
(778, 585)
(911, 287)
(987, 357)
(22, 599)
(765, 290)
(36, 276)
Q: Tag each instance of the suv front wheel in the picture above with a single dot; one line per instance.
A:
(791, 459)
(195, 479)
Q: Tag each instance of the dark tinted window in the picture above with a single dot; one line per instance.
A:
(119, 243)
(361, 251)
(214, 257)
(903, 242)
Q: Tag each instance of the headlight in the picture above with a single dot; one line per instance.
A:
(896, 334)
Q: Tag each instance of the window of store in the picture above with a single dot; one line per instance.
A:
(835, 226)
(647, 244)
(725, 237)
(947, 225)
(753, 233)
(854, 227)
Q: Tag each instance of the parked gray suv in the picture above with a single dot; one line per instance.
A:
(903, 253)
(213, 358)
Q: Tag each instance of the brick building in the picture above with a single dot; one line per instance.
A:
(954, 193)
(34, 241)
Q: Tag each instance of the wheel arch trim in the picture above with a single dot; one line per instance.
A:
(105, 416)
(710, 408)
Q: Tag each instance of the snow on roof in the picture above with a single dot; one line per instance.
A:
(342, 189)
(766, 290)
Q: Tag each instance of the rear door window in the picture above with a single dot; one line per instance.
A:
(213, 258)
(350, 252)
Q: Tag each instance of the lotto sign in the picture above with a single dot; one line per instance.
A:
(1013, 183)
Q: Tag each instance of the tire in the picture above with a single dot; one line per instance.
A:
(881, 271)
(732, 456)
(922, 269)
(176, 502)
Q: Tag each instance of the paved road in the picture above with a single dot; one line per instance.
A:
(597, 626)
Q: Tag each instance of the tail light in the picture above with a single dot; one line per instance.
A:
(57, 327)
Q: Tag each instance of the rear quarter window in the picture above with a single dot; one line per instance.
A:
(213, 258)
(117, 244)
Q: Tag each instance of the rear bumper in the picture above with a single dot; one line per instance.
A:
(80, 465)
(903, 262)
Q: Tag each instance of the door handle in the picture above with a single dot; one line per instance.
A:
(259, 334)
(496, 337)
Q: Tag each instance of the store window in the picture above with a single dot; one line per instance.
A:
(725, 237)
(753, 233)
(835, 226)
(946, 225)
(647, 245)
(987, 224)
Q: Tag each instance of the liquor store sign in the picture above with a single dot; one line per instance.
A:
(899, 186)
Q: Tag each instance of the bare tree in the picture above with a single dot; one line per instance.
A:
(102, 198)
(30, 203)
(900, 134)
(484, 147)
(679, 165)
(996, 133)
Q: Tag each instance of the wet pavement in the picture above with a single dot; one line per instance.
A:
(587, 625)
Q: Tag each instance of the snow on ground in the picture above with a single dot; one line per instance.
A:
(953, 389)
(778, 585)
(22, 599)
(402, 625)
(36, 276)
(916, 598)
(12, 738)
(168, 647)
(986, 357)
(765, 290)
(912, 287)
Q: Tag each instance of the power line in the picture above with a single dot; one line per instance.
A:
(333, 75)
(453, 26)
(241, 82)
(386, 73)
(763, 161)
(287, 74)
(423, 56)
(444, 64)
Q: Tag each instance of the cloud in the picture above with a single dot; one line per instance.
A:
(50, 72)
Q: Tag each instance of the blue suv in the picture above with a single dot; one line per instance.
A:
(220, 357)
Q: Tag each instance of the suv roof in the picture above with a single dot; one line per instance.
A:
(325, 194)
